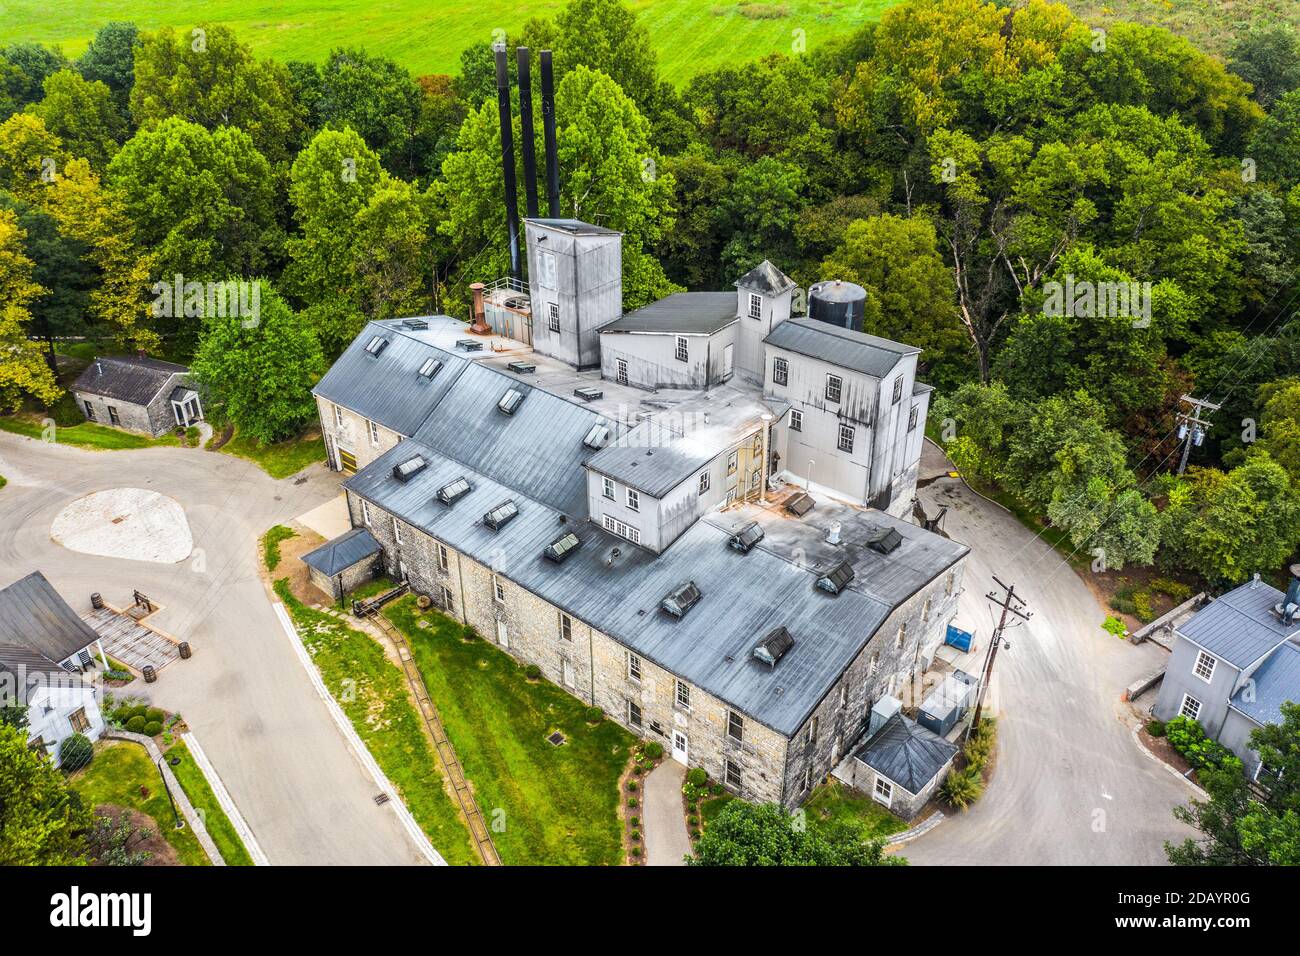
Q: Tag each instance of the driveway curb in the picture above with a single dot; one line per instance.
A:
(1137, 742)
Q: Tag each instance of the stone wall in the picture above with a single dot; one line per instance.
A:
(154, 419)
(350, 578)
(352, 435)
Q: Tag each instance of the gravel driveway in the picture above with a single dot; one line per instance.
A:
(244, 692)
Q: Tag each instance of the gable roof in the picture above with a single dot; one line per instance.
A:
(906, 753)
(334, 557)
(1276, 681)
(847, 348)
(23, 662)
(690, 313)
(136, 381)
(1239, 627)
(765, 278)
(35, 616)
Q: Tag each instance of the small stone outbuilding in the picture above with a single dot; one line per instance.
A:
(143, 395)
(901, 765)
(338, 566)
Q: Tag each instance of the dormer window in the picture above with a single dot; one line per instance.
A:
(836, 579)
(755, 306)
(773, 646)
(501, 515)
(430, 368)
(747, 537)
(885, 541)
(448, 494)
(682, 599)
(376, 345)
(510, 401)
(561, 548)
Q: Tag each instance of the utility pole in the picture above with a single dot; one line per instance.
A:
(1191, 428)
(1008, 607)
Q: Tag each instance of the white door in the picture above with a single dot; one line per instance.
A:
(727, 359)
(503, 636)
(679, 746)
(568, 674)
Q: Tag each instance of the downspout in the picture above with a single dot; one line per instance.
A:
(591, 660)
(460, 573)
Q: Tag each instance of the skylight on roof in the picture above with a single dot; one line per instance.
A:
(747, 537)
(598, 437)
(562, 547)
(376, 345)
(415, 325)
(773, 646)
(430, 367)
(510, 401)
(885, 541)
(501, 515)
(409, 468)
(682, 599)
(449, 493)
(837, 578)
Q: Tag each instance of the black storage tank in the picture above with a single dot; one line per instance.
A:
(839, 303)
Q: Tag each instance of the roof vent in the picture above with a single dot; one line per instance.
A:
(746, 537)
(561, 548)
(885, 541)
(415, 325)
(837, 578)
(510, 401)
(1289, 609)
(598, 437)
(833, 533)
(409, 468)
(681, 599)
(774, 646)
(430, 368)
(448, 494)
(800, 504)
(376, 345)
(501, 515)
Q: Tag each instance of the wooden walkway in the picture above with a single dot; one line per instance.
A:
(478, 828)
(127, 640)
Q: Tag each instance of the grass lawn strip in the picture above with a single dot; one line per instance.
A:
(373, 693)
(116, 775)
(271, 544)
(281, 459)
(557, 805)
(86, 435)
(834, 803)
(196, 787)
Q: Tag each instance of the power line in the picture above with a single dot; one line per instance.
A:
(1008, 604)
(1191, 428)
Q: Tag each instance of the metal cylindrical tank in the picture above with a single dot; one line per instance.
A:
(838, 303)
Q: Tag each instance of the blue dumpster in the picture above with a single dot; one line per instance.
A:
(956, 637)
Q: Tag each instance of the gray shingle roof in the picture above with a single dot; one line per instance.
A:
(388, 388)
(336, 556)
(906, 753)
(136, 381)
(35, 616)
(765, 278)
(1239, 627)
(690, 313)
(869, 354)
(1276, 681)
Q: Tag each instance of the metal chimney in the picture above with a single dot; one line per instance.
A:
(508, 158)
(526, 130)
(548, 129)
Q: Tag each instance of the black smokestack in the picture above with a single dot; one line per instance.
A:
(526, 130)
(548, 128)
(508, 158)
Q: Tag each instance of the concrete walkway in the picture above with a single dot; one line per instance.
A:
(664, 823)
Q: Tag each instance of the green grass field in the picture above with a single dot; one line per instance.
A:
(690, 35)
(86, 435)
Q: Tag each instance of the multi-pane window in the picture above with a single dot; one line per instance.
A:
(732, 462)
(874, 669)
(683, 351)
(566, 627)
(567, 670)
(546, 270)
(735, 726)
(912, 416)
(623, 530)
(498, 590)
(397, 531)
(634, 667)
(834, 386)
(683, 695)
(1190, 708)
(365, 511)
(338, 416)
(633, 714)
(952, 582)
(846, 438)
(113, 416)
(553, 317)
(608, 487)
(443, 561)
(755, 306)
(732, 774)
(1204, 668)
(634, 500)
(704, 482)
(883, 791)
(796, 420)
(780, 371)
(80, 722)
(90, 411)
(448, 599)
(807, 779)
(898, 389)
(374, 432)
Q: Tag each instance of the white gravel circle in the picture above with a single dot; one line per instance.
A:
(129, 523)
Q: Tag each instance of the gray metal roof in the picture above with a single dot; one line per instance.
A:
(35, 616)
(1239, 627)
(136, 381)
(869, 354)
(336, 556)
(765, 278)
(576, 227)
(688, 313)
(1276, 682)
(744, 595)
(387, 388)
(655, 458)
(906, 753)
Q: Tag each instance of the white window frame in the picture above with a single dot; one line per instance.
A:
(1201, 658)
(902, 636)
(834, 384)
(874, 668)
(755, 306)
(812, 732)
(365, 512)
(567, 673)
(443, 561)
(566, 627)
(397, 531)
(634, 719)
(682, 352)
(913, 417)
(882, 791)
(796, 420)
(898, 390)
(553, 316)
(448, 599)
(705, 482)
(633, 667)
(847, 434)
(546, 270)
(682, 695)
(498, 589)
(338, 416)
(740, 722)
(634, 499)
(373, 429)
(622, 529)
(844, 696)
(733, 461)
(1182, 708)
(780, 371)
(607, 487)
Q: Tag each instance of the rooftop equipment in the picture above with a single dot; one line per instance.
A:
(1289, 610)
(598, 437)
(430, 368)
(376, 345)
(885, 541)
(838, 303)
(681, 599)
(501, 515)
(563, 546)
(837, 578)
(588, 393)
(469, 345)
(449, 493)
(508, 156)
(800, 504)
(510, 401)
(746, 537)
(548, 131)
(523, 368)
(947, 703)
(409, 468)
(526, 130)
(415, 325)
(774, 646)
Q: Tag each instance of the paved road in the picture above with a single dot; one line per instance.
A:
(666, 840)
(244, 693)
(1071, 786)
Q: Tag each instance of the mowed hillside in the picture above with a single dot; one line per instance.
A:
(427, 36)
